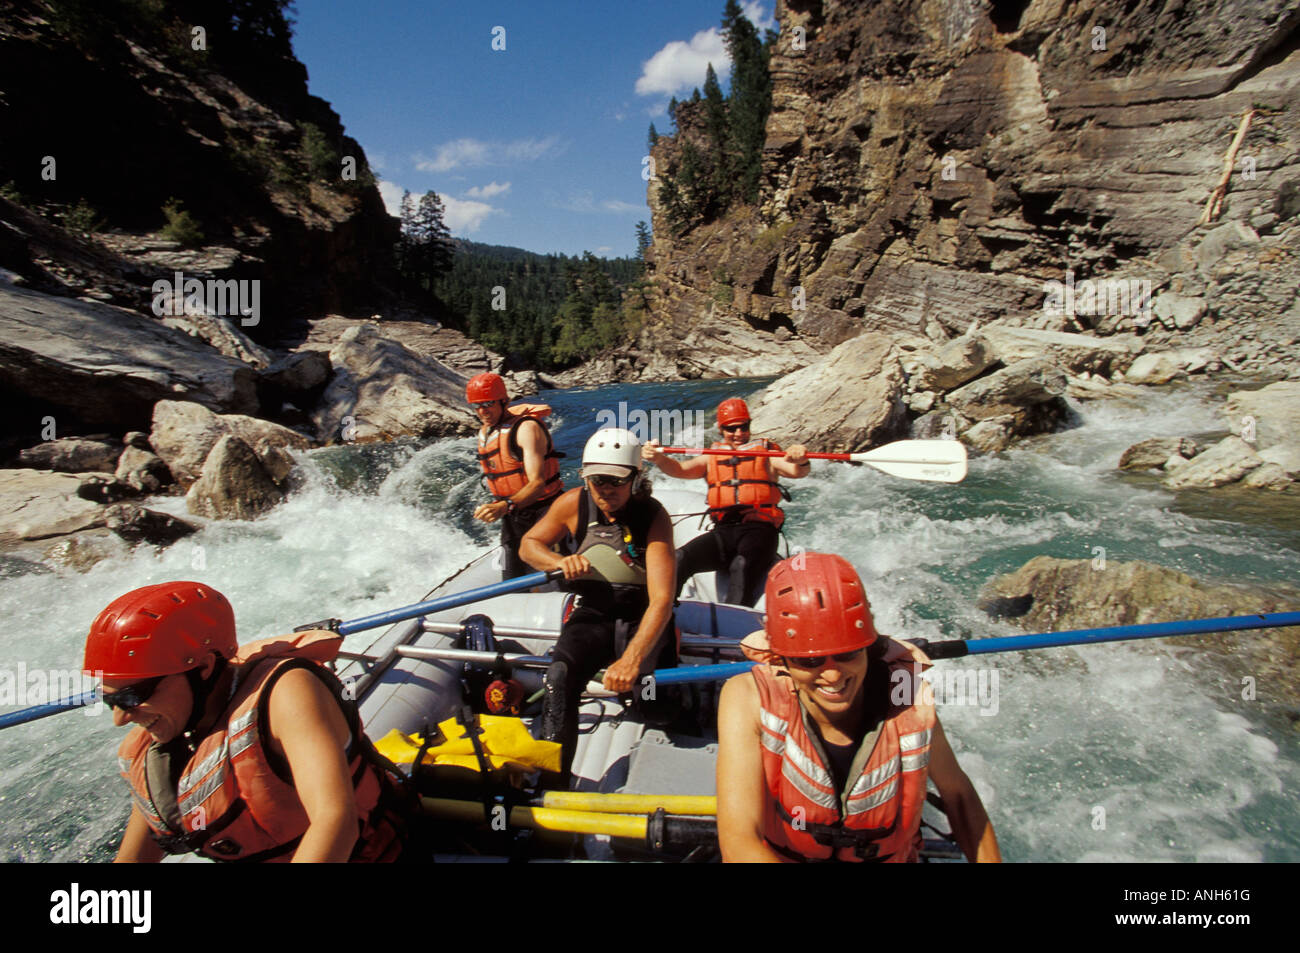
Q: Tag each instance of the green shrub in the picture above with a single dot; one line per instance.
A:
(322, 157)
(181, 226)
(82, 217)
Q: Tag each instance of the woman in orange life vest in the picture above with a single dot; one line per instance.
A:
(520, 464)
(253, 760)
(744, 503)
(825, 747)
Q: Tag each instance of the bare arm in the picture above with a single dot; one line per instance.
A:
(535, 547)
(661, 585)
(682, 470)
(970, 822)
(741, 791)
(309, 728)
(138, 845)
(794, 464)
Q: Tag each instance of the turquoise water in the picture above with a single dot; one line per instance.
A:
(1116, 752)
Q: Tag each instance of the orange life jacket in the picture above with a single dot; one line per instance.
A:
(746, 482)
(877, 817)
(231, 802)
(503, 462)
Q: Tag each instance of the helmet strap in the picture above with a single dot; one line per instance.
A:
(203, 689)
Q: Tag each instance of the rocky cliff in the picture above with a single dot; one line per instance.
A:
(934, 163)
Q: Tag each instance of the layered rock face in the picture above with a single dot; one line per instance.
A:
(932, 164)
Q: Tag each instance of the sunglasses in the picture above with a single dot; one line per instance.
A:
(479, 405)
(133, 696)
(817, 661)
(604, 479)
(744, 426)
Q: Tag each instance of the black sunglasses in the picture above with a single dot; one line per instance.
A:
(817, 661)
(604, 479)
(479, 405)
(744, 426)
(133, 696)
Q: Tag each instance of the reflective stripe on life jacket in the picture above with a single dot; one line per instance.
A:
(744, 482)
(878, 815)
(233, 803)
(502, 461)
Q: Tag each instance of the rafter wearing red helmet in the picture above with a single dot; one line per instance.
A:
(250, 753)
(521, 467)
(744, 502)
(825, 749)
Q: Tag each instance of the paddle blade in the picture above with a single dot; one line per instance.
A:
(939, 461)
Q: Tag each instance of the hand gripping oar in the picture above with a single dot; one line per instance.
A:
(1017, 643)
(343, 628)
(940, 461)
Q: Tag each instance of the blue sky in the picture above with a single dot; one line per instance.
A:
(539, 145)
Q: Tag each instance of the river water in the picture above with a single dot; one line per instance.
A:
(1126, 751)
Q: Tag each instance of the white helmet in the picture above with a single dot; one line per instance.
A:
(613, 452)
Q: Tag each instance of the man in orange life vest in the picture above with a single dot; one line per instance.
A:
(744, 502)
(520, 464)
(246, 753)
(824, 748)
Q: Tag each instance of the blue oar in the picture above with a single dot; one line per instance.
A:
(1016, 643)
(343, 628)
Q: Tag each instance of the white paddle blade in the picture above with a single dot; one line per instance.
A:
(938, 461)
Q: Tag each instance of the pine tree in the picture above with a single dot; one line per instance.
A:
(715, 128)
(750, 102)
(653, 138)
(643, 240)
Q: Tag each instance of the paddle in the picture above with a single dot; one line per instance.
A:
(940, 461)
(343, 628)
(1015, 643)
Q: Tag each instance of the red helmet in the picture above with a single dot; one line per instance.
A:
(485, 387)
(816, 606)
(732, 411)
(160, 630)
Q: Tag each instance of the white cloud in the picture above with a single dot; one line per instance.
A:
(489, 190)
(469, 153)
(756, 15)
(679, 66)
(586, 203)
(391, 193)
(465, 216)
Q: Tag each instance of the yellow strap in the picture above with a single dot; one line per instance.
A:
(701, 805)
(539, 818)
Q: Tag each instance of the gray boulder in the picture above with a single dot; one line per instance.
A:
(37, 504)
(1275, 409)
(185, 433)
(106, 366)
(1226, 462)
(233, 484)
(135, 524)
(1154, 453)
(1013, 389)
(850, 400)
(72, 455)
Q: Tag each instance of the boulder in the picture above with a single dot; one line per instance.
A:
(106, 366)
(135, 524)
(991, 435)
(37, 504)
(948, 366)
(1275, 409)
(1163, 366)
(222, 335)
(1286, 456)
(1015, 388)
(72, 455)
(302, 372)
(1178, 311)
(184, 435)
(142, 470)
(850, 400)
(381, 390)
(1152, 454)
(1076, 352)
(104, 488)
(81, 551)
(1226, 462)
(1222, 240)
(233, 484)
(1267, 476)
